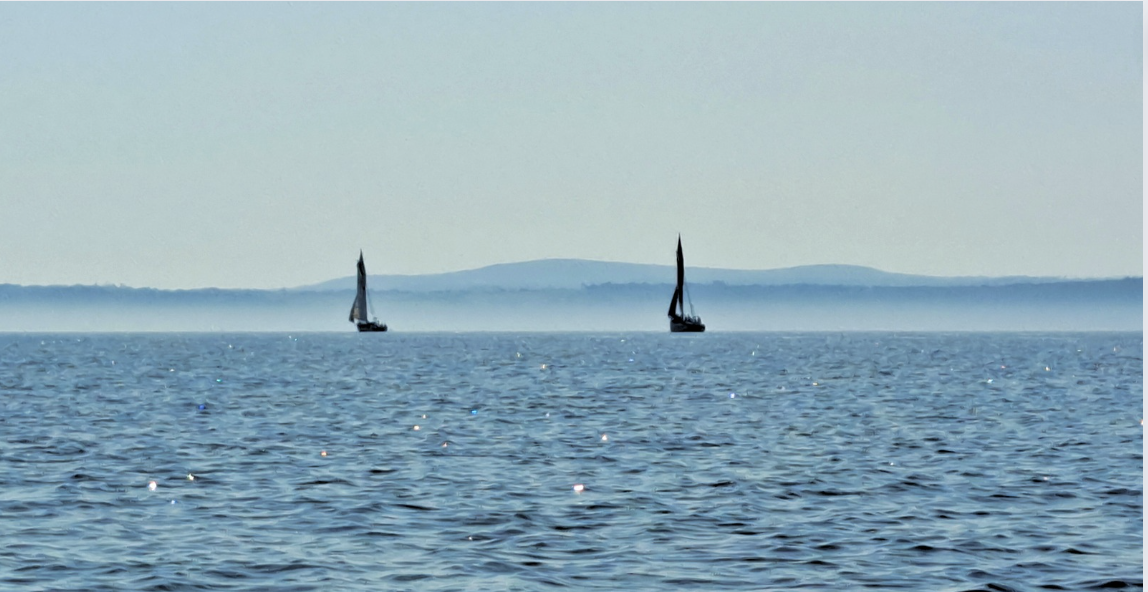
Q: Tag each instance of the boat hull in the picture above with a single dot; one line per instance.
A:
(371, 327)
(686, 326)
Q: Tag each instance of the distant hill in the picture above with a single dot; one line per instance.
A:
(565, 274)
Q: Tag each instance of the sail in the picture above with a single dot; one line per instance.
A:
(674, 302)
(359, 308)
(681, 266)
(679, 292)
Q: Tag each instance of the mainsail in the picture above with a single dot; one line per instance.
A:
(681, 279)
(677, 304)
(359, 308)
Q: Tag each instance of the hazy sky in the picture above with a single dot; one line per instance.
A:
(261, 145)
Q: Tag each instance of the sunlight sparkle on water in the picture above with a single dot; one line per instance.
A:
(690, 469)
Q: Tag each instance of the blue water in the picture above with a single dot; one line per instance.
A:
(951, 462)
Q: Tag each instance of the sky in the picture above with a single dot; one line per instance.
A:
(262, 145)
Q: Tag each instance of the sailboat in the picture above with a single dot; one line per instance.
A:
(359, 308)
(680, 322)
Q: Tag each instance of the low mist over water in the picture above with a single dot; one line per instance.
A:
(1097, 305)
(602, 461)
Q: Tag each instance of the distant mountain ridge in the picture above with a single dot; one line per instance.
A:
(543, 274)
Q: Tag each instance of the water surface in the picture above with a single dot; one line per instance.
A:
(950, 462)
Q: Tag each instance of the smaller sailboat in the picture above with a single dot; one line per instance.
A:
(680, 322)
(362, 305)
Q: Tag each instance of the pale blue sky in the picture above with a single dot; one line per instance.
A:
(178, 145)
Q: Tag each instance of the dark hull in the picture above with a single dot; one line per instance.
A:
(679, 325)
(371, 327)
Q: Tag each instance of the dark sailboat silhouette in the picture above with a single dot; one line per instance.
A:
(362, 304)
(680, 322)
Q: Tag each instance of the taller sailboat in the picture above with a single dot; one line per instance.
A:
(680, 322)
(360, 308)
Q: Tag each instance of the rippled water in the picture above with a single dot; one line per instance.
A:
(707, 462)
